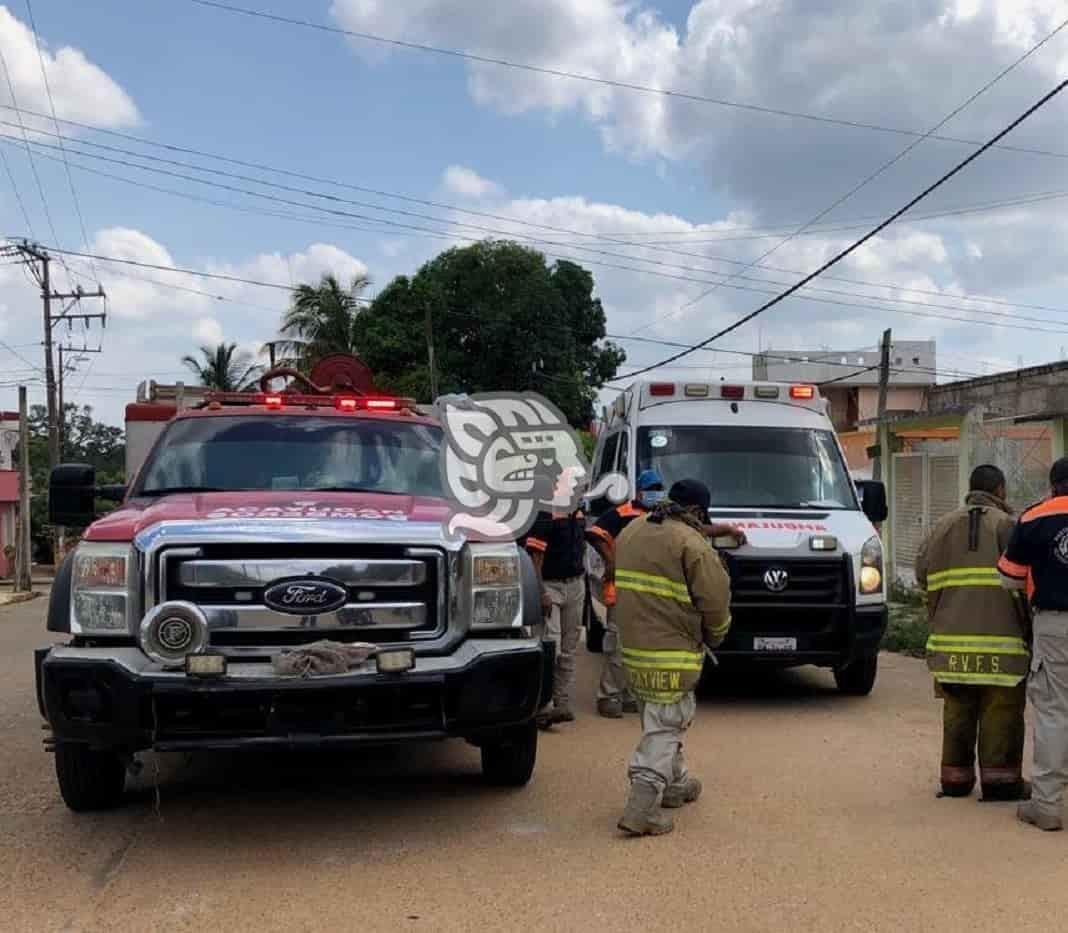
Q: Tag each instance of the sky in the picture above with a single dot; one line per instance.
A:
(797, 126)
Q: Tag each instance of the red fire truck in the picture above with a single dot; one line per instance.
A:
(254, 523)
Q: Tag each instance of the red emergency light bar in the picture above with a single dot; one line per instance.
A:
(734, 392)
(272, 401)
(803, 393)
(662, 388)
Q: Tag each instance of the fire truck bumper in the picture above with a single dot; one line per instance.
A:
(116, 698)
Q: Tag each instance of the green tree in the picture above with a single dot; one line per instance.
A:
(84, 441)
(502, 318)
(323, 319)
(222, 367)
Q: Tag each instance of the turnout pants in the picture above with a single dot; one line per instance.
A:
(562, 627)
(1048, 693)
(994, 716)
(658, 759)
(613, 683)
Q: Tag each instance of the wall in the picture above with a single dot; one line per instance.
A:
(1018, 393)
(904, 398)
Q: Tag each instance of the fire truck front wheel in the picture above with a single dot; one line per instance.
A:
(508, 761)
(89, 779)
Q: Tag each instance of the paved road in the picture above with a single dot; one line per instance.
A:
(819, 814)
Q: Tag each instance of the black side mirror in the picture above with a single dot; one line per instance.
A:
(111, 492)
(71, 491)
(873, 500)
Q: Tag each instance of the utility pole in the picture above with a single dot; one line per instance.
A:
(884, 385)
(39, 262)
(430, 355)
(23, 581)
(61, 380)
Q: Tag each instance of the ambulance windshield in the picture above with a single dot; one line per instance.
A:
(751, 467)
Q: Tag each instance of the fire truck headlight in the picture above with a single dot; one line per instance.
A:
(871, 566)
(101, 583)
(495, 586)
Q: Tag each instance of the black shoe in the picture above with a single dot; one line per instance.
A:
(1002, 793)
(956, 790)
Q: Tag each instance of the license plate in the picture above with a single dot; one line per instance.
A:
(775, 644)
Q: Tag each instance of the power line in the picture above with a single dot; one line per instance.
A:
(658, 264)
(888, 164)
(447, 221)
(33, 163)
(593, 79)
(59, 134)
(838, 257)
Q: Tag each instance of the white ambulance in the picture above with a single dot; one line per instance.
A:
(809, 585)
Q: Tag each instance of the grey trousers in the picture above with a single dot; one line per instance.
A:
(1047, 690)
(613, 683)
(658, 759)
(563, 627)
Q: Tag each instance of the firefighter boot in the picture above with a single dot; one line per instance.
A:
(1029, 813)
(610, 708)
(1000, 793)
(678, 794)
(642, 815)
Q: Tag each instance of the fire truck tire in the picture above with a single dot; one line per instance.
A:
(858, 678)
(89, 779)
(509, 760)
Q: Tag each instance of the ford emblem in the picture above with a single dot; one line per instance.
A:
(305, 597)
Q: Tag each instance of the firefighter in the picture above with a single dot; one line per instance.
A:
(557, 546)
(613, 698)
(673, 599)
(977, 648)
(1036, 560)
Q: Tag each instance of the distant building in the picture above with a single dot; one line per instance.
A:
(9, 486)
(849, 380)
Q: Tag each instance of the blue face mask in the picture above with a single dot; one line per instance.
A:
(651, 497)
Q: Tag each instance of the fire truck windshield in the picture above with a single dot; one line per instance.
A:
(293, 452)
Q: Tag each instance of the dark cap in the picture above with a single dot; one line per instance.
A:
(690, 494)
(1058, 473)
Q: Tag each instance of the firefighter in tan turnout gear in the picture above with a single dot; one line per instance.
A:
(673, 599)
(978, 644)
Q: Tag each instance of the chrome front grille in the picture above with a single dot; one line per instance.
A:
(393, 592)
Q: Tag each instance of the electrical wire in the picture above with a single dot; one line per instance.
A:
(810, 295)
(853, 247)
(868, 179)
(593, 79)
(59, 134)
(33, 165)
(447, 221)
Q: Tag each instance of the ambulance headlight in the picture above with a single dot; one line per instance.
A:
(495, 590)
(871, 566)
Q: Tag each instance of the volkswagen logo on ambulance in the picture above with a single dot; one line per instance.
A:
(305, 597)
(776, 579)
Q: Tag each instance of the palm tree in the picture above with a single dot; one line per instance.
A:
(223, 368)
(322, 319)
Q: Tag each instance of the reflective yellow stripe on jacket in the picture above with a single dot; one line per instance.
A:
(654, 584)
(963, 576)
(991, 660)
(656, 676)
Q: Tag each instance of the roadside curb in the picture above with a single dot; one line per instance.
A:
(11, 599)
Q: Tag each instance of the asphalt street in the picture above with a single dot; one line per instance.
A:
(819, 813)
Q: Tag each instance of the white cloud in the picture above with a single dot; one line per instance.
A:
(157, 317)
(208, 330)
(81, 90)
(884, 62)
(467, 183)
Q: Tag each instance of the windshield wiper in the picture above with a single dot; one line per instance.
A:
(167, 490)
(380, 492)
